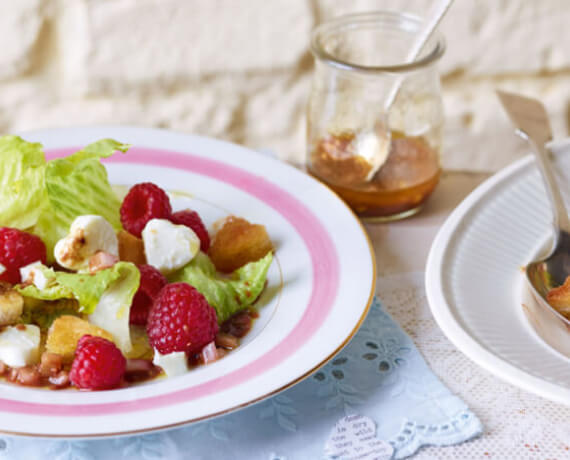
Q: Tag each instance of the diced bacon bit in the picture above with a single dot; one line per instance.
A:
(50, 364)
(239, 324)
(209, 353)
(222, 352)
(48, 371)
(131, 248)
(138, 370)
(101, 260)
(225, 340)
(60, 380)
(139, 365)
(29, 375)
(194, 359)
(13, 374)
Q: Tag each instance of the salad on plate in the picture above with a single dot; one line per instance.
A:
(98, 293)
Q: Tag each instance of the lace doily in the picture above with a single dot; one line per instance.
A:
(517, 424)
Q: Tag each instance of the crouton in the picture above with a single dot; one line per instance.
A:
(66, 331)
(559, 298)
(237, 242)
(11, 305)
(131, 248)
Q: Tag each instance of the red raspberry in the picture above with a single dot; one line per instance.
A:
(144, 202)
(98, 364)
(152, 281)
(192, 220)
(18, 249)
(181, 319)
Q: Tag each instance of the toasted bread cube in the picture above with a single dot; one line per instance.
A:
(11, 305)
(66, 331)
(237, 242)
(559, 298)
(131, 248)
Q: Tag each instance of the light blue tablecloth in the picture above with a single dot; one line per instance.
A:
(380, 374)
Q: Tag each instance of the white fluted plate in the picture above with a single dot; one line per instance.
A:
(476, 286)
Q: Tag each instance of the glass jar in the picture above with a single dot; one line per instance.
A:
(382, 158)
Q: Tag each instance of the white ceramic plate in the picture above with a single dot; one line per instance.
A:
(475, 284)
(319, 287)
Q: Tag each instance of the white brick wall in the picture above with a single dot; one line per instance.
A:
(21, 24)
(241, 70)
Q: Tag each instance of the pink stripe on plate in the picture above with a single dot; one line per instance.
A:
(324, 262)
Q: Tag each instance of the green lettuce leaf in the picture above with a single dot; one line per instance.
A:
(106, 296)
(86, 288)
(114, 307)
(141, 348)
(78, 185)
(53, 290)
(45, 197)
(23, 195)
(227, 296)
(43, 313)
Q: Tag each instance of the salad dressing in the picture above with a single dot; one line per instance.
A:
(403, 183)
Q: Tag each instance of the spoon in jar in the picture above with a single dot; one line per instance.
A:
(378, 154)
(531, 120)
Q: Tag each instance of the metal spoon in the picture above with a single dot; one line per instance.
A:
(531, 119)
(435, 15)
(376, 146)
